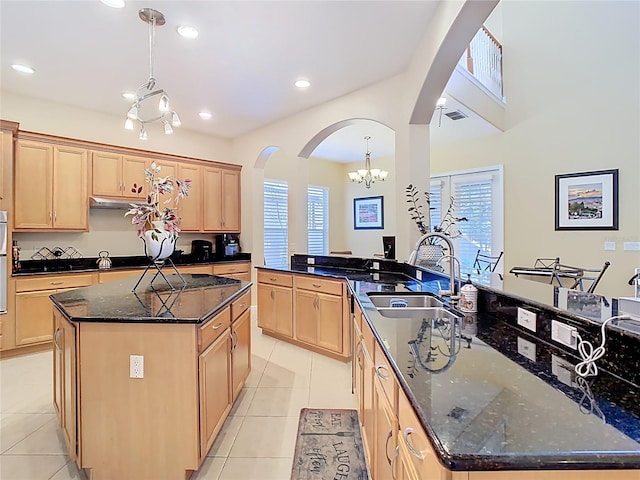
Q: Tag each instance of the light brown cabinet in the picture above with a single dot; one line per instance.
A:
(34, 316)
(50, 187)
(64, 379)
(275, 303)
(319, 315)
(239, 271)
(190, 207)
(385, 428)
(114, 175)
(240, 352)
(221, 199)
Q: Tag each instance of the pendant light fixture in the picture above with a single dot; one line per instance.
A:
(368, 175)
(142, 109)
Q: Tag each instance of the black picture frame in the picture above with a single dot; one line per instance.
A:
(587, 200)
(368, 213)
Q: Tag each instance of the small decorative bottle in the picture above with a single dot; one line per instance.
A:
(468, 297)
(15, 257)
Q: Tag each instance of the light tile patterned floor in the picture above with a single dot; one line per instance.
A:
(256, 442)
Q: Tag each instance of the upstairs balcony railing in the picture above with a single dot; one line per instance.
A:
(483, 60)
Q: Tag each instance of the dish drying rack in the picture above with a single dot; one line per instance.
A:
(56, 253)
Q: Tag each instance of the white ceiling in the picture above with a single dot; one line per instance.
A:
(241, 67)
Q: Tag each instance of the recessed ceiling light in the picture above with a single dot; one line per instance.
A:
(441, 101)
(187, 31)
(205, 115)
(23, 69)
(302, 83)
(129, 95)
(113, 3)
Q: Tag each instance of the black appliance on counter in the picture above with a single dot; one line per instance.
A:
(389, 246)
(202, 250)
(227, 245)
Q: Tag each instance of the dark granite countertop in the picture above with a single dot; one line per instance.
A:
(90, 264)
(492, 404)
(202, 297)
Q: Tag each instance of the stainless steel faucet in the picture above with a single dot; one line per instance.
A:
(452, 286)
(413, 258)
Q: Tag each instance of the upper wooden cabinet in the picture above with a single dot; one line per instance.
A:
(113, 175)
(50, 187)
(221, 199)
(190, 207)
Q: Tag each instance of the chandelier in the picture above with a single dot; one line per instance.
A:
(142, 111)
(368, 175)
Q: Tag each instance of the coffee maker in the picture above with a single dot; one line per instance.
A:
(227, 245)
(201, 250)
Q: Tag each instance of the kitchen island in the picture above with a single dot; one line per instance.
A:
(144, 380)
(504, 403)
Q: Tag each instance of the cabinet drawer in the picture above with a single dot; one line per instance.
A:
(273, 278)
(414, 439)
(385, 375)
(241, 304)
(53, 282)
(212, 329)
(231, 268)
(332, 287)
(367, 337)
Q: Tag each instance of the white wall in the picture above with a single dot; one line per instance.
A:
(572, 83)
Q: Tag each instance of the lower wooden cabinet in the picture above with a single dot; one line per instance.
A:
(214, 371)
(275, 303)
(64, 379)
(239, 271)
(385, 428)
(240, 352)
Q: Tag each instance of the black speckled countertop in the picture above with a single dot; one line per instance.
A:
(504, 399)
(202, 297)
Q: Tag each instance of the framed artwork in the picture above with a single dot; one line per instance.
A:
(587, 201)
(368, 213)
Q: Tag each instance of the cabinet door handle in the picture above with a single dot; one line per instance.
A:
(381, 374)
(273, 279)
(386, 445)
(235, 334)
(272, 293)
(407, 442)
(56, 283)
(50, 216)
(55, 339)
(216, 326)
(396, 452)
(359, 354)
(55, 216)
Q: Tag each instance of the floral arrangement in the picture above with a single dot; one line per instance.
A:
(144, 214)
(448, 222)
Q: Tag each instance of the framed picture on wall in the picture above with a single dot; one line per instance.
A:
(587, 201)
(368, 213)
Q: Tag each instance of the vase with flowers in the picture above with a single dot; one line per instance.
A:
(156, 219)
(431, 252)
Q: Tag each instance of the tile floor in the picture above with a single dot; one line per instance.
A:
(256, 442)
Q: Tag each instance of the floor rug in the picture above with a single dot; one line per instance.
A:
(329, 446)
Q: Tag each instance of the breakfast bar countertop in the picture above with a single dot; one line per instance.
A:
(503, 399)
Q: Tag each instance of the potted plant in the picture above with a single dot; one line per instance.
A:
(447, 224)
(156, 220)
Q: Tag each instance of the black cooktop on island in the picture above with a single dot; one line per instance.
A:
(54, 265)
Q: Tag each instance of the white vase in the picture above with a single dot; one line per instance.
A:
(159, 243)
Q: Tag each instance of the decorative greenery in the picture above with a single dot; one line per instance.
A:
(448, 222)
(143, 214)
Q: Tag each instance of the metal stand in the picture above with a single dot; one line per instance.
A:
(159, 264)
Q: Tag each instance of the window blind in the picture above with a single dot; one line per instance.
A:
(276, 223)
(435, 207)
(317, 220)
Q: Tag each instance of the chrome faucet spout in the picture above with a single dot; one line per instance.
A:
(413, 258)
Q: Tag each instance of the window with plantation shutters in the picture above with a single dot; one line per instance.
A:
(435, 204)
(478, 198)
(276, 224)
(317, 220)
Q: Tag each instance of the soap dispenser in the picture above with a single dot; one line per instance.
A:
(468, 297)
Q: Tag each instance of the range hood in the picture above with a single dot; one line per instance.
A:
(112, 203)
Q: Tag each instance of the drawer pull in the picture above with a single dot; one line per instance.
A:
(407, 442)
(242, 305)
(273, 279)
(216, 326)
(380, 373)
(56, 283)
(316, 285)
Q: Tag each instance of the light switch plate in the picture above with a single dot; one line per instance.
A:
(527, 319)
(311, 261)
(631, 246)
(419, 274)
(527, 349)
(610, 246)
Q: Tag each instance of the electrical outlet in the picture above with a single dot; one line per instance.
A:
(311, 261)
(419, 274)
(376, 265)
(376, 276)
(527, 319)
(311, 269)
(564, 334)
(136, 366)
(527, 349)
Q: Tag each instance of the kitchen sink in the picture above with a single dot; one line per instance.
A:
(404, 300)
(425, 313)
